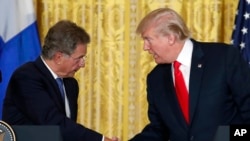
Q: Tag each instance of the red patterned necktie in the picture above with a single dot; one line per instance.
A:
(181, 91)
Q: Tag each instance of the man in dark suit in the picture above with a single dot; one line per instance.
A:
(216, 78)
(33, 96)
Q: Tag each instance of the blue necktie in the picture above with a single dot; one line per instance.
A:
(60, 85)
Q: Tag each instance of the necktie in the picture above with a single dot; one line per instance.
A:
(181, 91)
(64, 96)
(60, 85)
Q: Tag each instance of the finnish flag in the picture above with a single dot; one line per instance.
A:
(19, 38)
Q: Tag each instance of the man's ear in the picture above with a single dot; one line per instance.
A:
(58, 57)
(171, 39)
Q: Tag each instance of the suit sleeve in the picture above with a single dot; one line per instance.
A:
(32, 99)
(238, 79)
(154, 130)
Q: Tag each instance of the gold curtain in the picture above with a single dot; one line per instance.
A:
(112, 97)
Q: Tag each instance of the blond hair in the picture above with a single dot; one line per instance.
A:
(164, 21)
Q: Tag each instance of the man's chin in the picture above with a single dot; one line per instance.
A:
(158, 62)
(161, 62)
(72, 74)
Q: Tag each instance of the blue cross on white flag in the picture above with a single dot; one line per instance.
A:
(19, 38)
(241, 35)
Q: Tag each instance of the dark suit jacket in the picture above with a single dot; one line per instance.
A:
(219, 90)
(33, 98)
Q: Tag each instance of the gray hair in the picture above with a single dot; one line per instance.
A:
(63, 37)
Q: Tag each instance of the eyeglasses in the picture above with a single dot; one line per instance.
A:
(78, 59)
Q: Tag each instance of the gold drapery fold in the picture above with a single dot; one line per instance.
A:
(112, 97)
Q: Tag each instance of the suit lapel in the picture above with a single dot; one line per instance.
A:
(197, 67)
(168, 99)
(70, 92)
(51, 82)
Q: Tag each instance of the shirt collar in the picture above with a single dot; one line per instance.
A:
(51, 71)
(186, 53)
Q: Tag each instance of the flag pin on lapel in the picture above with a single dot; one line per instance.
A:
(199, 65)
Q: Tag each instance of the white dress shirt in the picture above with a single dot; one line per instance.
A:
(184, 58)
